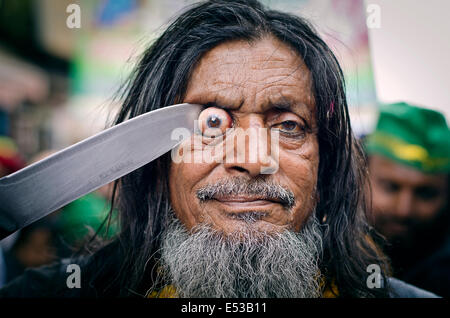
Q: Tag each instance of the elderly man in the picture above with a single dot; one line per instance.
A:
(228, 228)
(409, 161)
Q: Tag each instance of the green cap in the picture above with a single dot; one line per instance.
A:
(413, 136)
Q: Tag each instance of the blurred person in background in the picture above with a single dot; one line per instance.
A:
(34, 247)
(409, 164)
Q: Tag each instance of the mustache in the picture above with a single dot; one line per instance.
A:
(263, 189)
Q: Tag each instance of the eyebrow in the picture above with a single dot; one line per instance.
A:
(284, 105)
(287, 104)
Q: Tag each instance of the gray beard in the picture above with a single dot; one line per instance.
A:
(248, 264)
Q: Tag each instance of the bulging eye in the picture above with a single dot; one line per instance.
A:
(214, 122)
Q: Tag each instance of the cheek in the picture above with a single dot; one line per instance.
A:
(427, 210)
(383, 202)
(183, 179)
(300, 168)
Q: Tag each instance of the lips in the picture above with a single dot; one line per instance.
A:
(244, 200)
(245, 208)
(249, 209)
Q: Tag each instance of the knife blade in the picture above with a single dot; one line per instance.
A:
(45, 186)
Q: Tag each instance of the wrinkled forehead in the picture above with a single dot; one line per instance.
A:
(252, 76)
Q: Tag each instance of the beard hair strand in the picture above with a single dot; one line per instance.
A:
(249, 264)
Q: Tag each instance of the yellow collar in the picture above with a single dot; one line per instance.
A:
(170, 291)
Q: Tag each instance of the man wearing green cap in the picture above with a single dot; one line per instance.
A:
(409, 163)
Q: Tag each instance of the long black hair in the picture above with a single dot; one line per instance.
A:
(160, 79)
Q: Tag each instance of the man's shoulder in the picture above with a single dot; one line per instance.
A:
(400, 289)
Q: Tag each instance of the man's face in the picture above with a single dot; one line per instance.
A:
(404, 199)
(250, 86)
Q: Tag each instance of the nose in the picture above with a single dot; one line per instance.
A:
(251, 148)
(405, 203)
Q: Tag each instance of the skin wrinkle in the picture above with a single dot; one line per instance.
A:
(299, 156)
(274, 59)
(300, 64)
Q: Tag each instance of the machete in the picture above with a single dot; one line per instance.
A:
(45, 186)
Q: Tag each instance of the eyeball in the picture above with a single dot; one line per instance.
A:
(214, 122)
